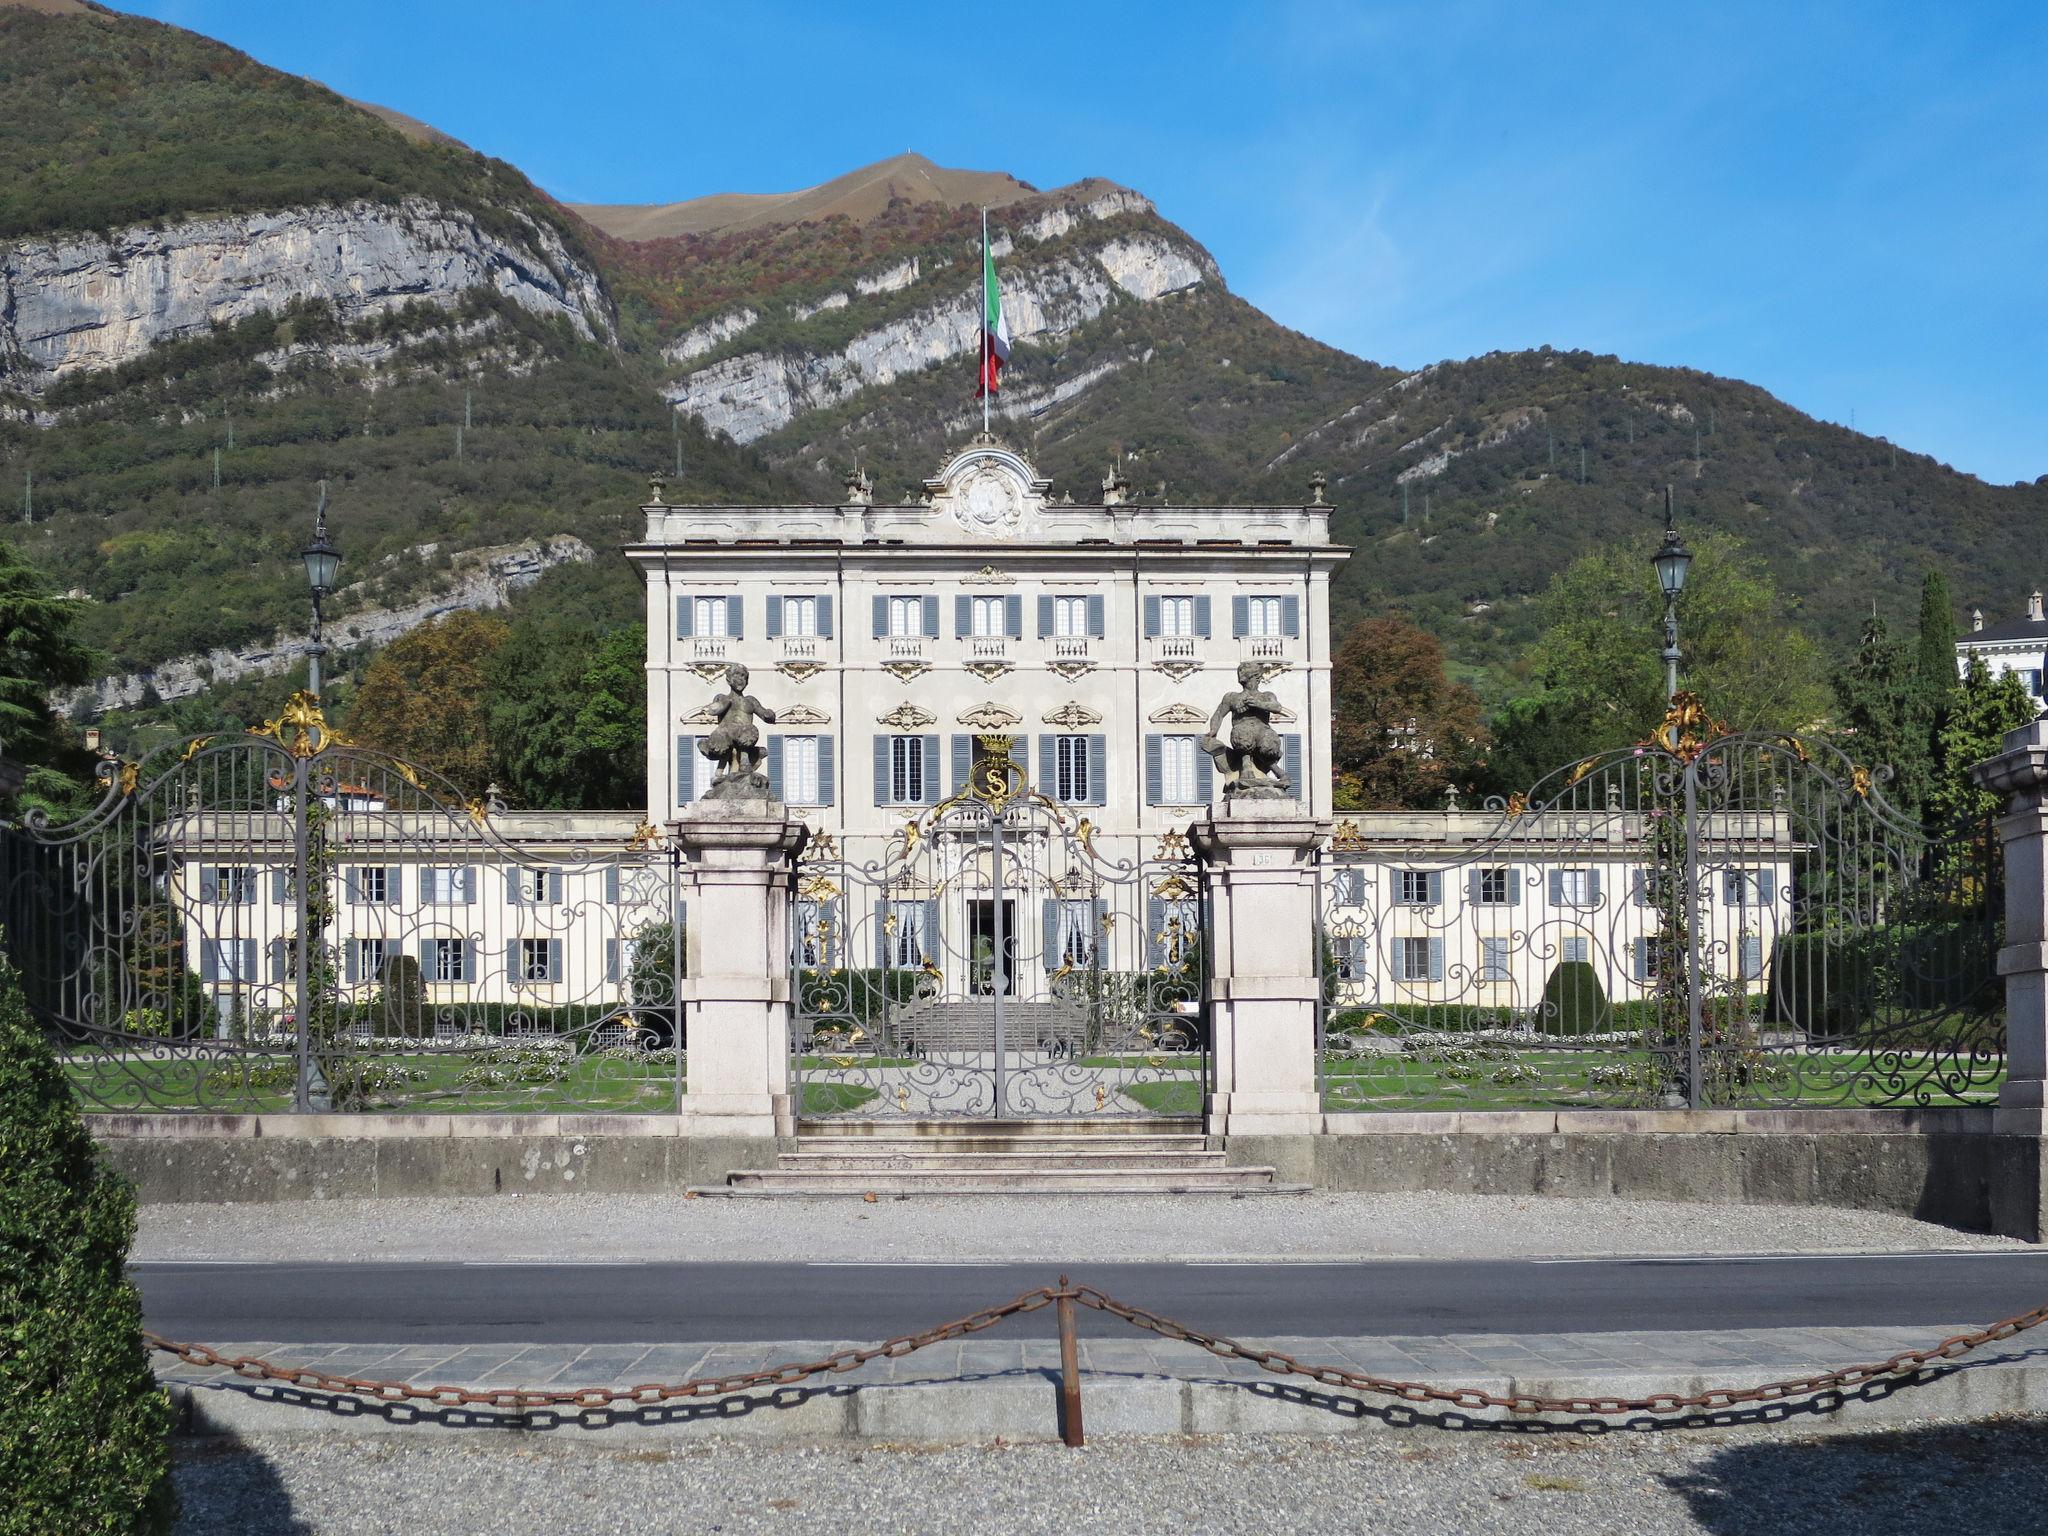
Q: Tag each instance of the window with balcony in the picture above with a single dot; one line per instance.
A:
(906, 617)
(708, 618)
(1262, 616)
(800, 617)
(1177, 616)
(1070, 618)
(987, 618)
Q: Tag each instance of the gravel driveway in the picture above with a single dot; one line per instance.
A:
(1986, 1479)
(1029, 1228)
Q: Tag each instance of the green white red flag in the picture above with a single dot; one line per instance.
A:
(995, 330)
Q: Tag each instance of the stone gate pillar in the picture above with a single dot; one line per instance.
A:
(735, 989)
(1259, 859)
(2019, 1183)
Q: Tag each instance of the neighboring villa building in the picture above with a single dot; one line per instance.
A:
(2016, 645)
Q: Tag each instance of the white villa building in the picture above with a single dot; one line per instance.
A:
(2014, 645)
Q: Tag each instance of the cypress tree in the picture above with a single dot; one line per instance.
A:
(1937, 649)
(1884, 708)
(83, 1423)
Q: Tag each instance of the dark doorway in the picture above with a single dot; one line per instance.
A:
(994, 966)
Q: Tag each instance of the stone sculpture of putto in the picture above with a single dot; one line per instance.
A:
(734, 742)
(1248, 757)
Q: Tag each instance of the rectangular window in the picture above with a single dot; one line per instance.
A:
(1490, 887)
(800, 616)
(1262, 616)
(906, 616)
(369, 959)
(1746, 888)
(1419, 887)
(903, 934)
(1074, 936)
(533, 886)
(373, 884)
(1493, 960)
(1177, 616)
(1178, 759)
(533, 960)
(1070, 770)
(907, 770)
(707, 617)
(1070, 618)
(987, 618)
(1572, 887)
(444, 886)
(445, 960)
(800, 770)
(228, 883)
(1578, 950)
(1646, 959)
(1411, 959)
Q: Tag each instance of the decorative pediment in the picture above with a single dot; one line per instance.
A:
(1179, 671)
(704, 716)
(990, 716)
(1072, 715)
(1073, 669)
(989, 671)
(988, 491)
(907, 717)
(800, 671)
(904, 671)
(989, 576)
(1178, 714)
(802, 714)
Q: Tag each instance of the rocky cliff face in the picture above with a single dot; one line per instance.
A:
(90, 302)
(481, 578)
(756, 393)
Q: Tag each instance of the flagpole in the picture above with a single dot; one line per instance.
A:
(984, 323)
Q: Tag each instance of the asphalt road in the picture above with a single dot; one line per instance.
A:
(732, 1303)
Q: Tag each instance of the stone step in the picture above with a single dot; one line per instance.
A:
(1246, 1180)
(973, 1146)
(1032, 1163)
(978, 1128)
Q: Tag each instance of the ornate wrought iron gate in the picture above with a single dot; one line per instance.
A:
(1711, 919)
(284, 920)
(998, 961)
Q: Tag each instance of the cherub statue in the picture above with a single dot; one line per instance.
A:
(1249, 758)
(733, 742)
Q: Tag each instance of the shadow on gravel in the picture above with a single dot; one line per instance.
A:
(1989, 1478)
(224, 1485)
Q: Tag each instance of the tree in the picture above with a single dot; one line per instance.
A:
(1603, 635)
(1936, 654)
(1980, 713)
(39, 650)
(1532, 738)
(568, 715)
(1885, 713)
(1401, 731)
(84, 1427)
(424, 698)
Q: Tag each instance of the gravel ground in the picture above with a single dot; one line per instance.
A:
(1986, 1479)
(1030, 1228)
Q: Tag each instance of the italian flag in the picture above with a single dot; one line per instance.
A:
(995, 331)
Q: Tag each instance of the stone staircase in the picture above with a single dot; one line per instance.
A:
(970, 1025)
(1161, 1156)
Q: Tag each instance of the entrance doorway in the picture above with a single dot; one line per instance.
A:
(992, 946)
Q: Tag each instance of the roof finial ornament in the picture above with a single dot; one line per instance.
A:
(1116, 490)
(860, 490)
(656, 484)
(1317, 484)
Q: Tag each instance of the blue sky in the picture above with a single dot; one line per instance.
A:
(1846, 203)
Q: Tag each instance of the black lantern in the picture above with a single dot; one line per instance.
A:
(1672, 559)
(322, 559)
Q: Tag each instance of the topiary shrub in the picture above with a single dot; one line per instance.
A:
(83, 1423)
(1574, 1002)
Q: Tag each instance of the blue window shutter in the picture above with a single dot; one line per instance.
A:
(1436, 959)
(1731, 888)
(280, 886)
(1098, 769)
(1514, 879)
(1050, 934)
(825, 617)
(611, 959)
(735, 617)
(1290, 761)
(1151, 615)
(512, 886)
(515, 973)
(1473, 884)
(1593, 887)
(825, 795)
(963, 762)
(931, 766)
(554, 959)
(1752, 957)
(1155, 925)
(1240, 615)
(881, 617)
(555, 886)
(932, 947)
(686, 769)
(1436, 887)
(427, 971)
(611, 884)
(466, 876)
(774, 616)
(684, 615)
(1013, 616)
(1557, 887)
(351, 887)
(1097, 626)
(394, 885)
(1048, 765)
(1202, 615)
(881, 770)
(351, 959)
(1045, 620)
(931, 617)
(1155, 752)
(1290, 614)
(963, 615)
(1766, 887)
(881, 935)
(469, 960)
(209, 883)
(1642, 959)
(774, 745)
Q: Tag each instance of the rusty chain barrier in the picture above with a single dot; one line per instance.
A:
(1065, 1297)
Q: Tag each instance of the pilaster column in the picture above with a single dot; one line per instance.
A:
(2021, 773)
(1259, 860)
(735, 990)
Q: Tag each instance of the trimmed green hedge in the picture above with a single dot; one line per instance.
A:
(1839, 985)
(83, 1425)
(1574, 1002)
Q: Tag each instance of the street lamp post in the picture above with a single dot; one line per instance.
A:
(323, 560)
(1671, 560)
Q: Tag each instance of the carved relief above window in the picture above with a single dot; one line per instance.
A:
(907, 717)
(904, 671)
(990, 716)
(1178, 714)
(988, 576)
(802, 714)
(1072, 715)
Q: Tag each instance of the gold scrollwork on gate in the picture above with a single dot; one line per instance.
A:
(302, 728)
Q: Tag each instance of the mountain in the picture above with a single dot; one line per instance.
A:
(220, 283)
